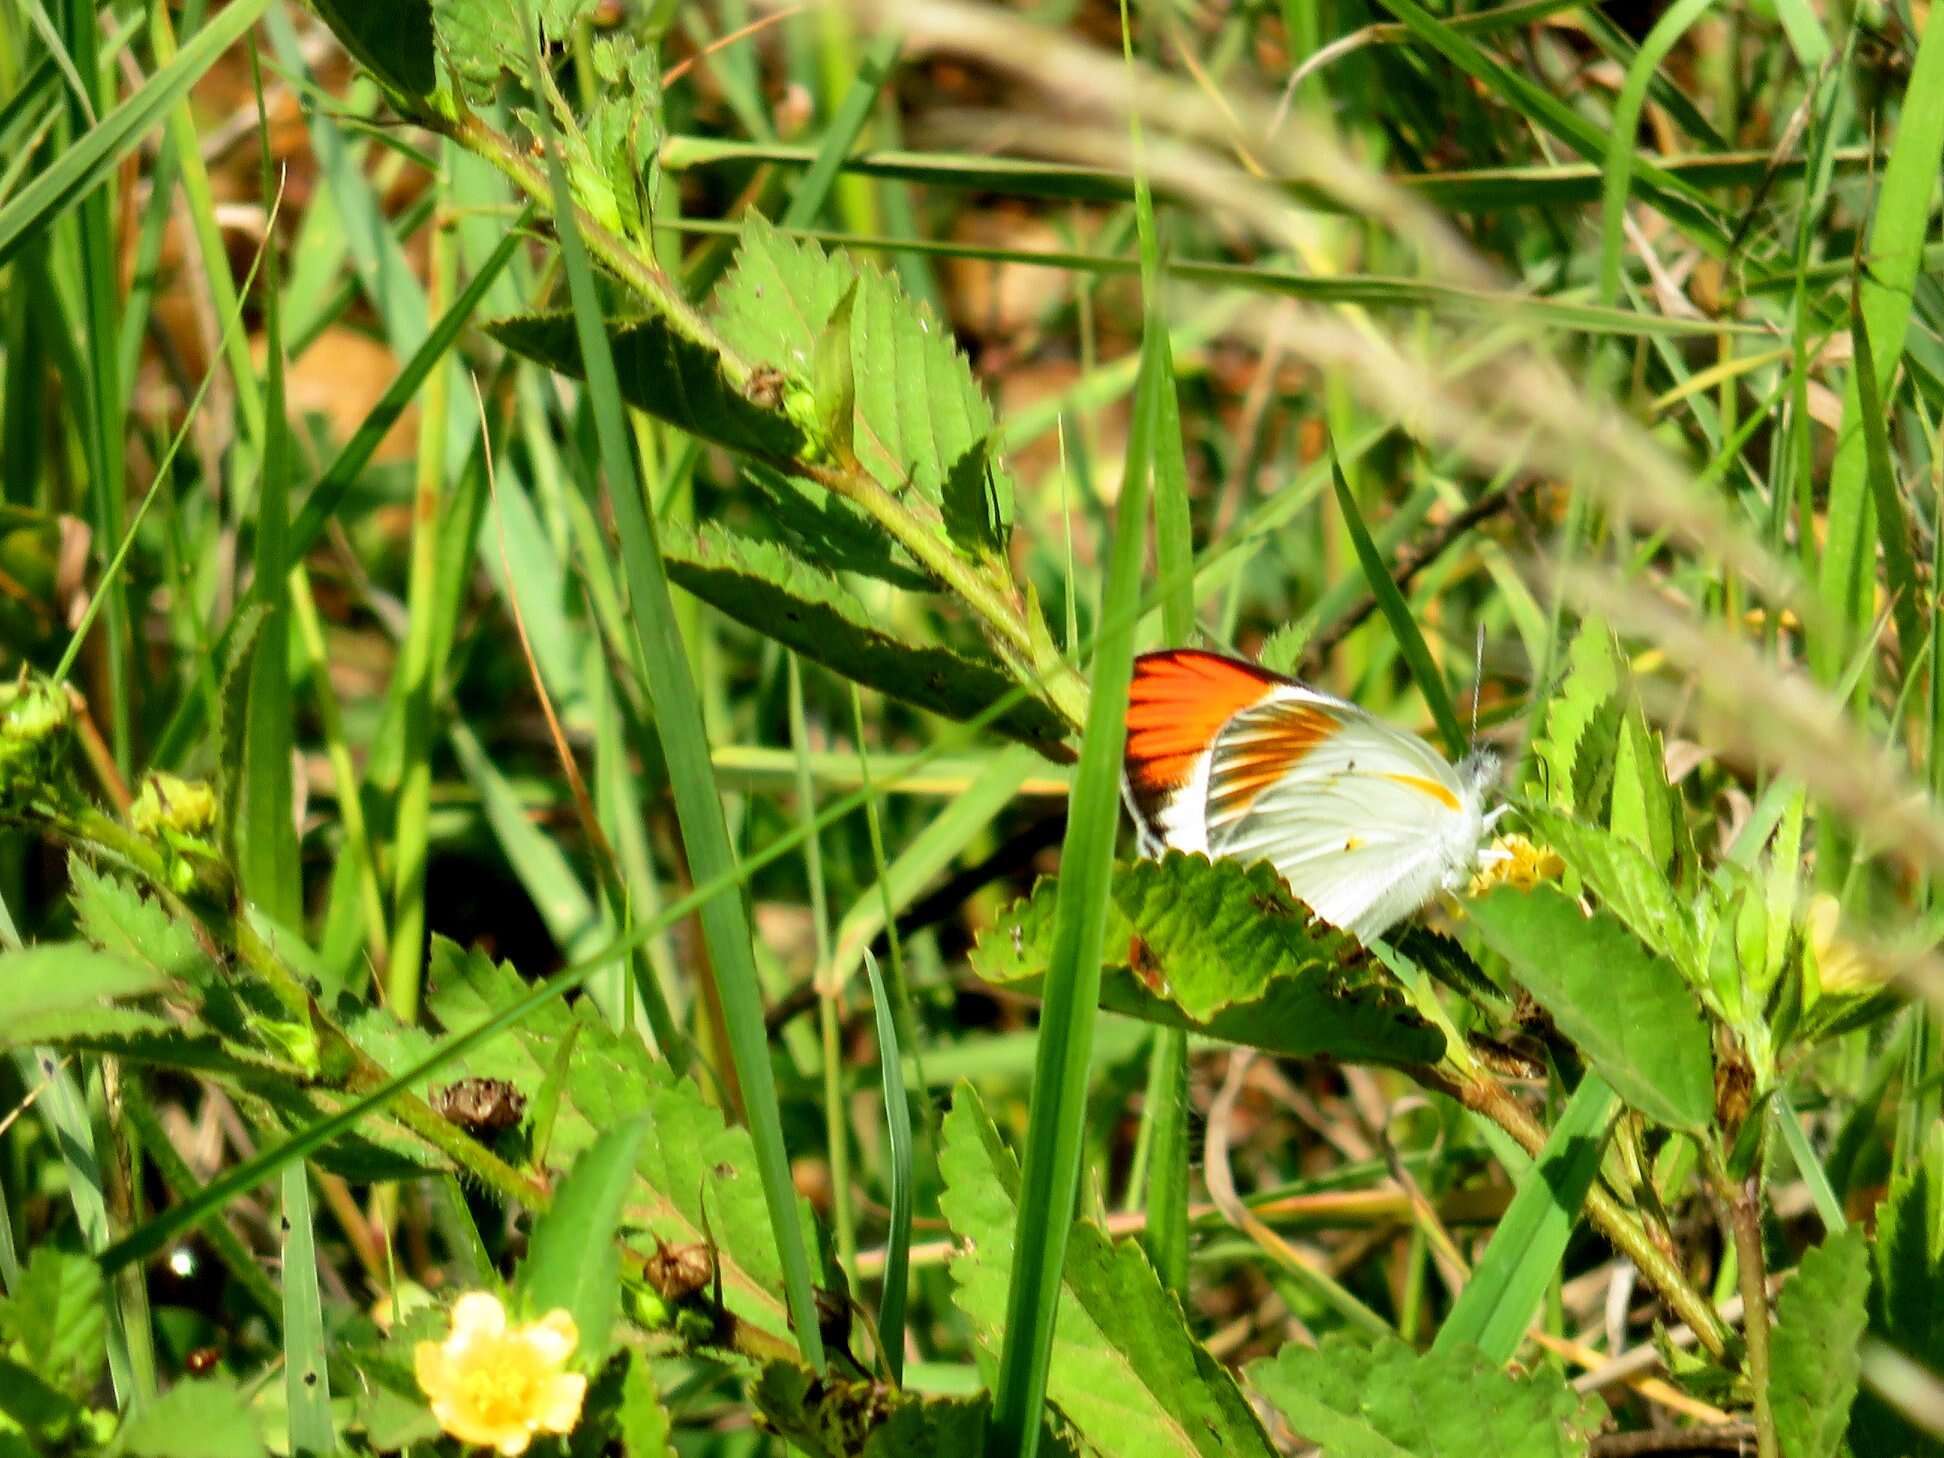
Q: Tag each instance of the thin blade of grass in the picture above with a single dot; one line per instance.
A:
(1626, 121)
(897, 1118)
(1893, 527)
(307, 1382)
(1511, 1279)
(266, 841)
(685, 741)
(1050, 1179)
(1397, 612)
(1898, 232)
(95, 154)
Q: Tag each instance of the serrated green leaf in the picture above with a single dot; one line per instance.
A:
(1226, 950)
(971, 515)
(766, 586)
(392, 39)
(36, 1406)
(123, 923)
(1391, 1402)
(1581, 722)
(642, 1422)
(665, 373)
(57, 1317)
(572, 1261)
(1628, 885)
(1813, 1361)
(918, 407)
(689, 1159)
(202, 1419)
(1630, 1012)
(1906, 1294)
(64, 977)
(1125, 1370)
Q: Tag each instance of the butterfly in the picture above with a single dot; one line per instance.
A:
(1365, 822)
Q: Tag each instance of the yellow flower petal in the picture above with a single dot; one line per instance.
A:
(553, 1337)
(477, 1314)
(494, 1385)
(561, 1407)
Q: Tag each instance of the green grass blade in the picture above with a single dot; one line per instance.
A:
(266, 839)
(685, 741)
(94, 156)
(1051, 1176)
(1397, 612)
(1893, 254)
(1626, 121)
(846, 123)
(1828, 1205)
(1511, 1278)
(1893, 527)
(897, 1117)
(307, 1382)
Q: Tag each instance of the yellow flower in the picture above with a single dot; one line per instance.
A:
(496, 1386)
(1512, 860)
(1841, 966)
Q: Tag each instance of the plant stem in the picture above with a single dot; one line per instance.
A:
(1741, 1205)
(1620, 1225)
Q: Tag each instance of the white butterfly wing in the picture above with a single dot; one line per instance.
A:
(1364, 821)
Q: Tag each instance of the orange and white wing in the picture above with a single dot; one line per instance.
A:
(1178, 704)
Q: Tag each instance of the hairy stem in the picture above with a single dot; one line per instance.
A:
(1742, 1209)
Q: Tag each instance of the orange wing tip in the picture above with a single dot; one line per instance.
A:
(1179, 700)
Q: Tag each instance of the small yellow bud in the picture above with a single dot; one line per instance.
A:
(169, 802)
(1841, 966)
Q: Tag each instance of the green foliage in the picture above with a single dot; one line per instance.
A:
(196, 1419)
(695, 1178)
(54, 1320)
(768, 587)
(662, 371)
(1221, 948)
(1906, 1293)
(572, 1262)
(918, 411)
(1630, 1012)
(1125, 1373)
(1510, 1280)
(1391, 1402)
(48, 991)
(1819, 1323)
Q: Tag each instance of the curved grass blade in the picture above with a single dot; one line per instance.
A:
(1397, 612)
(685, 741)
(897, 1116)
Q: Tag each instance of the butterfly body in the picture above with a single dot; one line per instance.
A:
(1365, 822)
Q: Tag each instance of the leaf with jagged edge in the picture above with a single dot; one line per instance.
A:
(689, 1158)
(1906, 1295)
(839, 1418)
(769, 588)
(56, 1316)
(1224, 949)
(1389, 1401)
(970, 511)
(392, 39)
(1582, 723)
(1125, 1371)
(919, 409)
(118, 919)
(829, 532)
(663, 372)
(1629, 1011)
(1628, 885)
(1813, 1358)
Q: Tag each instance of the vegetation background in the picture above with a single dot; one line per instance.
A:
(568, 574)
